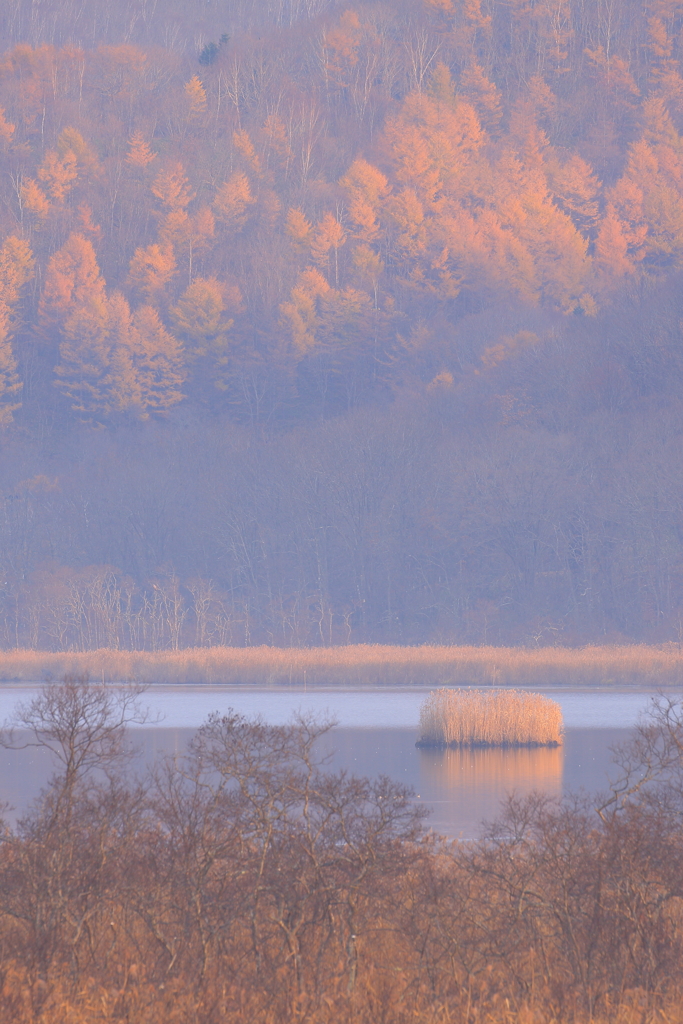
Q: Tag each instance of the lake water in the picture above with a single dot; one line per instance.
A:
(375, 734)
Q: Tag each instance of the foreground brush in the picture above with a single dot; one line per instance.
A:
(489, 718)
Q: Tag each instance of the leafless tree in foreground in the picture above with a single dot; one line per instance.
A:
(245, 880)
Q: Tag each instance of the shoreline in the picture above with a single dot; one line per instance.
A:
(360, 666)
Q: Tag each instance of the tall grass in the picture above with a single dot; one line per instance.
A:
(361, 665)
(493, 718)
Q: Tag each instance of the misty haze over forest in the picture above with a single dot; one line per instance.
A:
(340, 345)
(324, 323)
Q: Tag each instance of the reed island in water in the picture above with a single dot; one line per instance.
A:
(495, 718)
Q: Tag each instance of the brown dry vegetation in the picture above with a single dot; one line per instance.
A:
(362, 665)
(494, 718)
(243, 883)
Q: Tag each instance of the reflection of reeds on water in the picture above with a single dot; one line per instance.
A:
(491, 718)
(485, 774)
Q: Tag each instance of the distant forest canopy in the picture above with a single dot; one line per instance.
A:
(325, 323)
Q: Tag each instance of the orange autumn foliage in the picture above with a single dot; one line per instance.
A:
(151, 269)
(16, 269)
(139, 152)
(232, 201)
(172, 187)
(73, 281)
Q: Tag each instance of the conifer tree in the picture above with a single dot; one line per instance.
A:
(614, 248)
(196, 96)
(483, 94)
(200, 318)
(367, 188)
(72, 282)
(88, 336)
(328, 236)
(71, 141)
(299, 229)
(576, 190)
(245, 147)
(232, 201)
(16, 269)
(112, 362)
(172, 188)
(300, 313)
(147, 367)
(58, 175)
(34, 200)
(139, 153)
(7, 129)
(151, 269)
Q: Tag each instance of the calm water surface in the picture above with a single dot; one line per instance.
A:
(375, 734)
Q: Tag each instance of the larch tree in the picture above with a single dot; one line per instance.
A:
(88, 336)
(112, 362)
(7, 129)
(298, 229)
(33, 200)
(58, 174)
(172, 187)
(368, 267)
(576, 190)
(10, 383)
(86, 223)
(560, 255)
(242, 142)
(444, 7)
(200, 318)
(406, 218)
(663, 21)
(483, 94)
(496, 256)
(366, 188)
(139, 154)
(340, 51)
(441, 86)
(72, 281)
(648, 199)
(614, 249)
(232, 201)
(151, 269)
(16, 269)
(147, 367)
(71, 141)
(196, 97)
(300, 313)
(187, 236)
(432, 144)
(329, 236)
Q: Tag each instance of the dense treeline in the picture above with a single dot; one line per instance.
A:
(245, 881)
(322, 324)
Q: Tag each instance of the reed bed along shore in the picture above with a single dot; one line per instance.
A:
(362, 665)
(489, 718)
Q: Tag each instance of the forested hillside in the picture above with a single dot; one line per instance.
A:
(325, 323)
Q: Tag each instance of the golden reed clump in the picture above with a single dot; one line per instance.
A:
(489, 718)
